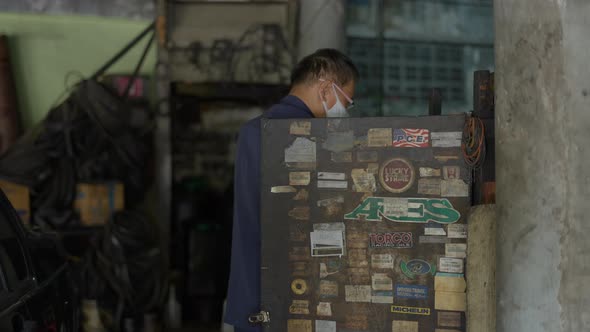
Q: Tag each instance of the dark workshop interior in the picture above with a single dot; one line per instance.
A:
(294, 165)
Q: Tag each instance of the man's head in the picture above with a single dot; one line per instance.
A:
(323, 78)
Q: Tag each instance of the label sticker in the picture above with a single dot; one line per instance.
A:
(342, 157)
(451, 301)
(297, 232)
(445, 158)
(451, 172)
(379, 137)
(457, 250)
(299, 178)
(367, 156)
(381, 281)
(327, 269)
(299, 213)
(382, 261)
(299, 253)
(429, 187)
(410, 310)
(450, 265)
(328, 289)
(426, 172)
(363, 181)
(303, 150)
(299, 307)
(300, 128)
(391, 240)
(410, 138)
(457, 231)
(302, 195)
(454, 188)
(385, 297)
(395, 206)
(434, 229)
(324, 309)
(356, 322)
(331, 176)
(446, 330)
(357, 258)
(332, 184)
(339, 141)
(300, 269)
(419, 210)
(357, 293)
(325, 326)
(449, 319)
(416, 267)
(282, 189)
(444, 283)
(331, 201)
(298, 325)
(446, 139)
(396, 175)
(299, 286)
(327, 243)
(433, 239)
(404, 326)
(417, 292)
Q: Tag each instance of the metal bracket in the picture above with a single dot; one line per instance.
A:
(260, 318)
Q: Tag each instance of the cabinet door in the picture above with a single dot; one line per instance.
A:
(364, 224)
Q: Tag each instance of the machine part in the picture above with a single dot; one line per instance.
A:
(260, 318)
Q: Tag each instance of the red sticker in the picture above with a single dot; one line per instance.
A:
(396, 175)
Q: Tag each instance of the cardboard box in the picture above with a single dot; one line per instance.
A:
(95, 202)
(19, 197)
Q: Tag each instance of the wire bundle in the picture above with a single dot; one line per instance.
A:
(474, 142)
(125, 269)
(87, 138)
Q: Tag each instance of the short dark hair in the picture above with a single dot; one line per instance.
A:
(325, 63)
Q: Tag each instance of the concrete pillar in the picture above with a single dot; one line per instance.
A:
(481, 269)
(321, 25)
(543, 157)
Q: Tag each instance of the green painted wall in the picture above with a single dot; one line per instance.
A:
(46, 48)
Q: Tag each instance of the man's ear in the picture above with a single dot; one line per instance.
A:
(323, 88)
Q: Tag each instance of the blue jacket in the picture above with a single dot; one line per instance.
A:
(243, 295)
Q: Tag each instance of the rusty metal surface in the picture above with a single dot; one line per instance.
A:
(289, 272)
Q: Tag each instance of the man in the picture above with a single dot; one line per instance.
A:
(322, 84)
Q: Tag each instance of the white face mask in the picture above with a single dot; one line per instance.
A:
(338, 110)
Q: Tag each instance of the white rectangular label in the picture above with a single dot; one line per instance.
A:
(454, 188)
(434, 230)
(333, 184)
(302, 150)
(382, 261)
(327, 243)
(451, 265)
(397, 207)
(331, 176)
(446, 139)
(457, 250)
(457, 231)
(357, 293)
(380, 281)
(325, 326)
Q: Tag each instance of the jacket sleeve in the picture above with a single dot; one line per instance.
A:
(243, 297)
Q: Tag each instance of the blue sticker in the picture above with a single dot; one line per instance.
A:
(417, 292)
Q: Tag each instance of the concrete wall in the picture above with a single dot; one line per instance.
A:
(542, 122)
(44, 49)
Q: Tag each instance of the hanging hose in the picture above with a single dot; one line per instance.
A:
(474, 143)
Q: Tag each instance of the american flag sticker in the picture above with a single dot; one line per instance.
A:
(411, 138)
